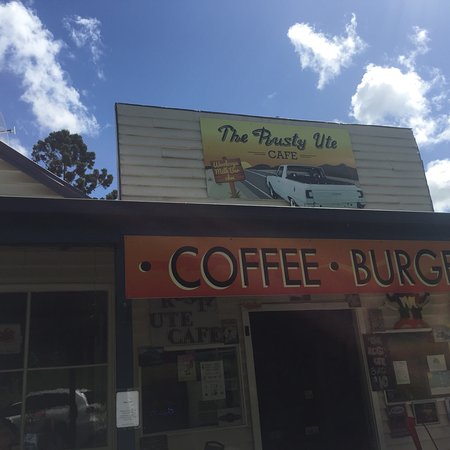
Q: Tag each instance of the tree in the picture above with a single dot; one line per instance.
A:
(67, 156)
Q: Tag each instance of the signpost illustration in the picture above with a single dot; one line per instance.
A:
(228, 171)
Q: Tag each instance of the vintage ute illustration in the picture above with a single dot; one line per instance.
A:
(309, 186)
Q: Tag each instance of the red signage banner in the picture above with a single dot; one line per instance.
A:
(160, 266)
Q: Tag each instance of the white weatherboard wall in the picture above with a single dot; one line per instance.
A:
(15, 183)
(161, 158)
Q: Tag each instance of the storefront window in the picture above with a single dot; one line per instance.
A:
(61, 388)
(68, 328)
(190, 388)
(13, 308)
(66, 408)
(12, 331)
(10, 409)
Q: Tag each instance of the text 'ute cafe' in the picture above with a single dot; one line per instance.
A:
(261, 284)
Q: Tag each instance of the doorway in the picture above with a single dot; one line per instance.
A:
(308, 380)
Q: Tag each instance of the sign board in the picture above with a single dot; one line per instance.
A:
(227, 170)
(378, 362)
(127, 409)
(194, 266)
(213, 380)
(249, 154)
(10, 338)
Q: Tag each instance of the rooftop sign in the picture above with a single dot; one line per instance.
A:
(324, 155)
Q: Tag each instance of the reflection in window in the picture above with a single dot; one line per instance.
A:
(189, 389)
(12, 329)
(66, 408)
(12, 333)
(68, 328)
(67, 372)
(10, 409)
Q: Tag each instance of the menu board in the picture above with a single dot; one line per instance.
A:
(378, 360)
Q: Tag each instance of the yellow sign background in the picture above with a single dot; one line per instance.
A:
(274, 144)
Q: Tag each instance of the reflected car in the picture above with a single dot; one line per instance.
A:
(59, 419)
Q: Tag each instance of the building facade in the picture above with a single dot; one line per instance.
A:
(200, 312)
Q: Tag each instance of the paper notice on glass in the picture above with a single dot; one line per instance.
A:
(186, 367)
(401, 372)
(213, 380)
(436, 363)
(127, 409)
(10, 338)
(439, 382)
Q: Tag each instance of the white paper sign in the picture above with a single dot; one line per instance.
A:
(127, 409)
(186, 367)
(10, 338)
(436, 363)
(213, 380)
(401, 372)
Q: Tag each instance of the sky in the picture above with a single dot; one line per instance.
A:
(64, 64)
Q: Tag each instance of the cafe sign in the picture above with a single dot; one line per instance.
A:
(239, 150)
(160, 266)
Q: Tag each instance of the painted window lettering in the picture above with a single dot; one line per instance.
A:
(309, 186)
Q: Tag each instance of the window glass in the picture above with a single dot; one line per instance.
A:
(10, 408)
(12, 329)
(68, 328)
(66, 408)
(190, 389)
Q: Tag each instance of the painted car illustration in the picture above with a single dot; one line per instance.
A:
(309, 186)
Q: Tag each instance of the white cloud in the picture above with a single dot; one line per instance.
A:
(85, 32)
(420, 41)
(30, 51)
(324, 55)
(14, 143)
(386, 95)
(438, 179)
(392, 96)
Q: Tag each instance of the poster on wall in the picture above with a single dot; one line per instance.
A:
(401, 372)
(213, 380)
(302, 165)
(127, 409)
(186, 367)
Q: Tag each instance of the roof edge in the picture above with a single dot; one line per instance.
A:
(38, 173)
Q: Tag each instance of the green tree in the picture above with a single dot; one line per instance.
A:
(67, 156)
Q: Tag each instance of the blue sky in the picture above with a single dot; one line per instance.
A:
(63, 64)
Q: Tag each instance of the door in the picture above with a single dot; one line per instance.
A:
(308, 380)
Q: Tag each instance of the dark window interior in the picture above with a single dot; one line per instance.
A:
(68, 328)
